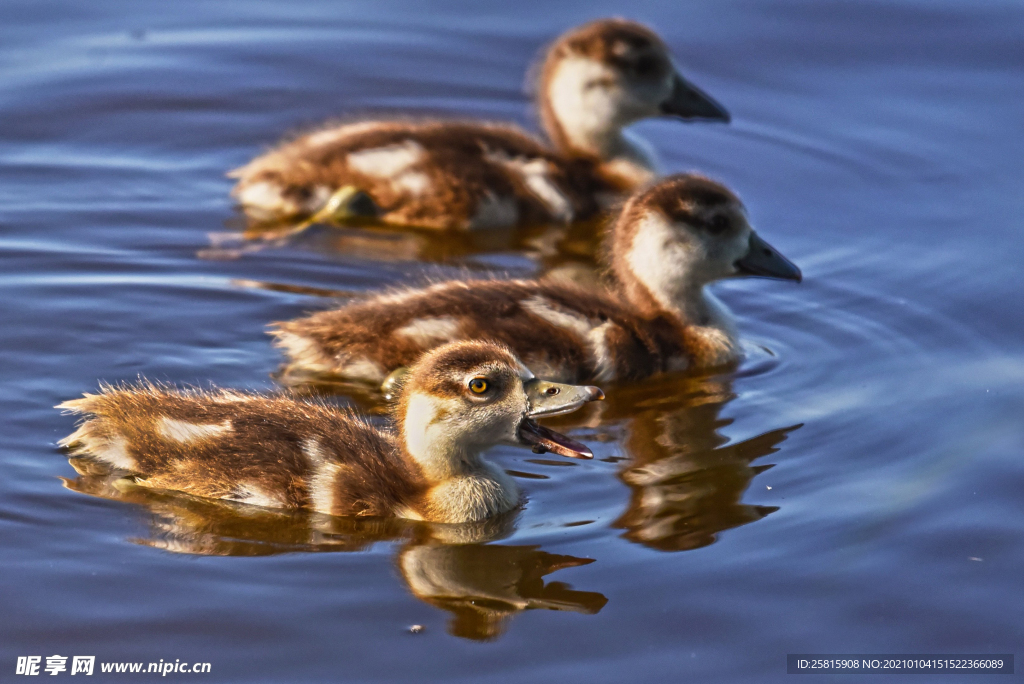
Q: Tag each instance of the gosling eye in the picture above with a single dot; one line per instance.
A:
(718, 224)
(479, 386)
(647, 65)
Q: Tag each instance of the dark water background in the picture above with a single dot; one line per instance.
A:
(877, 144)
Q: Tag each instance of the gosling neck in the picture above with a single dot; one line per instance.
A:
(582, 125)
(686, 303)
(599, 142)
(428, 442)
(626, 159)
(655, 274)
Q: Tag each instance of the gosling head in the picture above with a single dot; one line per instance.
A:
(683, 233)
(603, 76)
(464, 397)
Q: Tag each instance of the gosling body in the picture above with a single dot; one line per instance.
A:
(667, 244)
(594, 81)
(278, 452)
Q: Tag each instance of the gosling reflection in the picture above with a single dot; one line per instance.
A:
(686, 483)
(451, 567)
(483, 586)
(551, 248)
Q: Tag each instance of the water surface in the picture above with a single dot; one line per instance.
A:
(855, 486)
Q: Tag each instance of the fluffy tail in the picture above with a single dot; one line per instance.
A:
(98, 437)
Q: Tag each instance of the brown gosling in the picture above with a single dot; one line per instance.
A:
(594, 81)
(668, 243)
(279, 452)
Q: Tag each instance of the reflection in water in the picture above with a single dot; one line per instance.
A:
(686, 483)
(686, 489)
(550, 247)
(368, 242)
(448, 566)
(484, 585)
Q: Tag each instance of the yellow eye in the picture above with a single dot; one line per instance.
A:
(478, 385)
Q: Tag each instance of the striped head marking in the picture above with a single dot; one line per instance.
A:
(685, 232)
(464, 397)
(607, 74)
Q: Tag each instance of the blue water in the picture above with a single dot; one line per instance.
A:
(855, 487)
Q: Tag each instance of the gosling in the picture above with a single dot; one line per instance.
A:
(279, 452)
(655, 316)
(595, 80)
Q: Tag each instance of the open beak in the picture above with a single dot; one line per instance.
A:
(764, 260)
(690, 102)
(553, 399)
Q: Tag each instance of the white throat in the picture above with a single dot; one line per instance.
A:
(465, 486)
(592, 116)
(433, 445)
(669, 269)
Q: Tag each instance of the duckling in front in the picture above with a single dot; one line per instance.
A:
(595, 80)
(655, 316)
(279, 452)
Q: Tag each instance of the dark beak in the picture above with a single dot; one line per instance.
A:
(552, 399)
(690, 102)
(764, 260)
